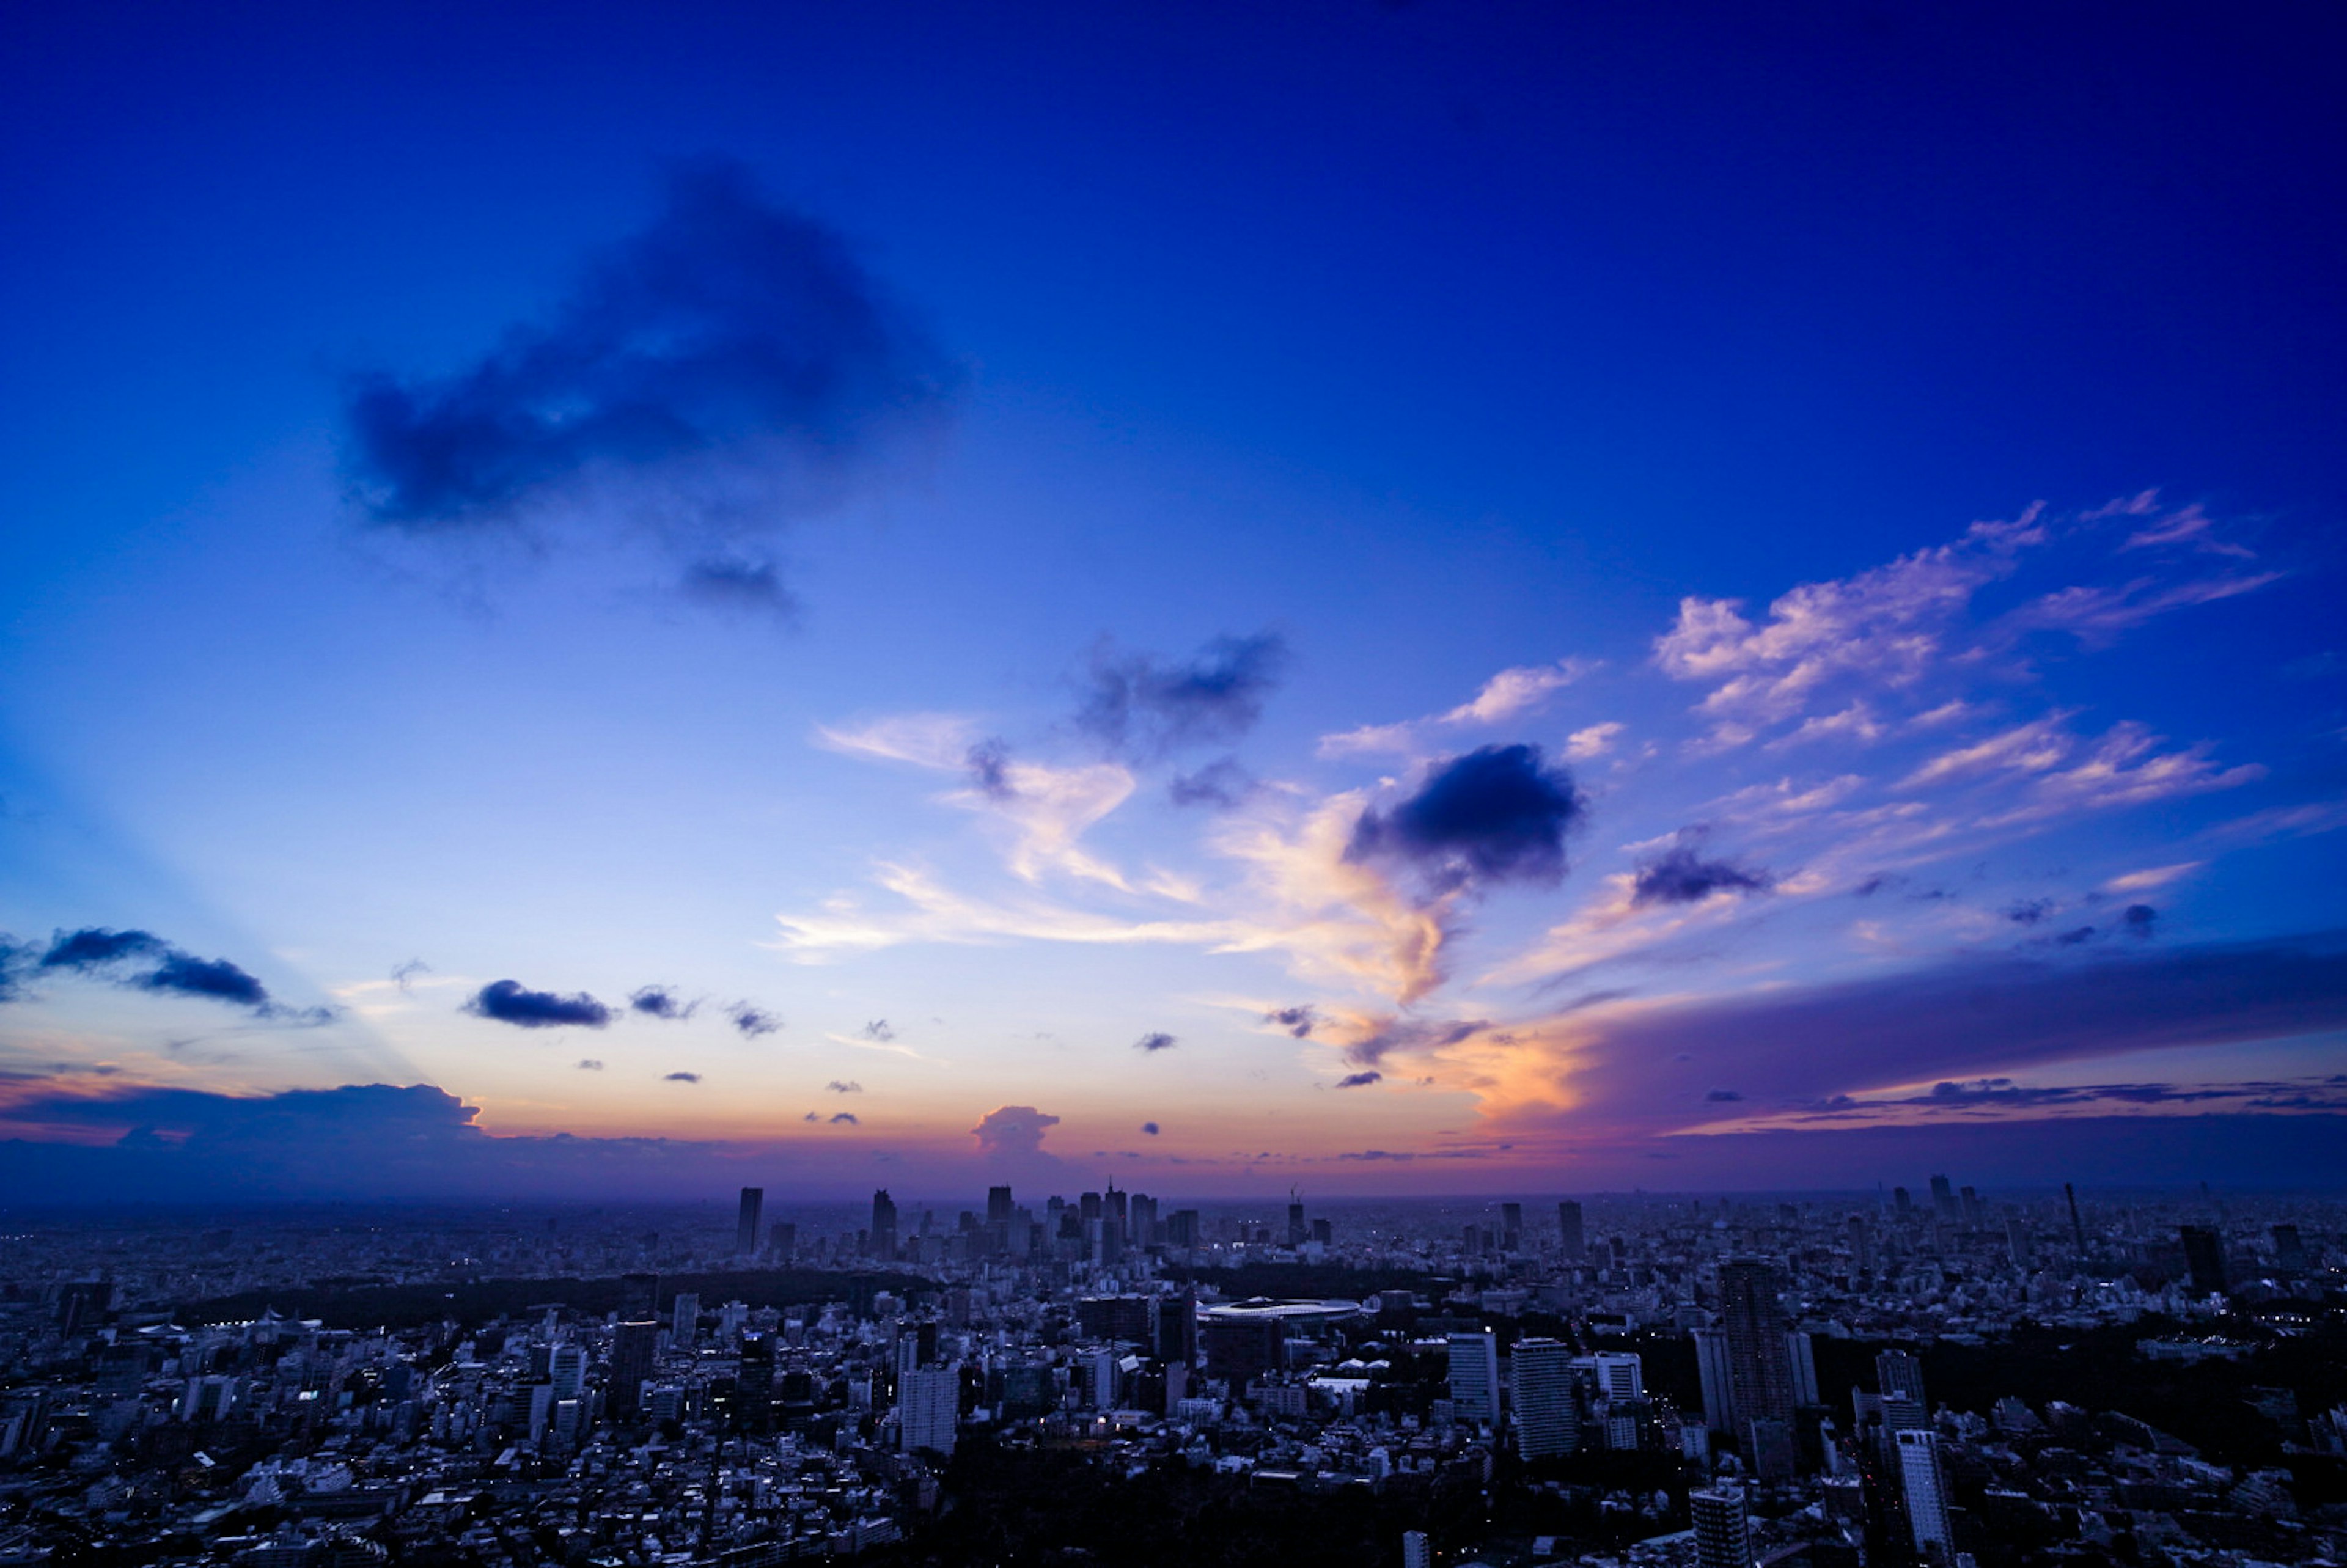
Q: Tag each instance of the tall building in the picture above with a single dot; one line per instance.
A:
(567, 1370)
(1297, 1231)
(1177, 1327)
(998, 1205)
(639, 1294)
(1723, 1530)
(1475, 1378)
(2289, 1249)
(884, 1224)
(1619, 1375)
(1924, 1486)
(782, 1241)
(684, 1320)
(1944, 1199)
(1511, 1226)
(1900, 1376)
(1539, 1374)
(633, 1355)
(1760, 1369)
(1719, 1391)
(929, 1404)
(1568, 1226)
(1802, 1355)
(746, 1226)
(2204, 1258)
(1417, 1551)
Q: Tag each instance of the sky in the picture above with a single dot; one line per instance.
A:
(1432, 597)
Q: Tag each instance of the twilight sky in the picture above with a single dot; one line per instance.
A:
(1438, 597)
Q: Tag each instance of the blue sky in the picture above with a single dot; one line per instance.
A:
(1538, 588)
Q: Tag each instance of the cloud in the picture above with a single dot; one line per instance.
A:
(1150, 1128)
(751, 1020)
(1367, 1039)
(1359, 1080)
(661, 1001)
(509, 1001)
(878, 1032)
(2139, 920)
(1154, 1042)
(404, 975)
(1513, 691)
(845, 1119)
(1680, 875)
(590, 1064)
(1296, 1021)
(1012, 1131)
(735, 582)
(682, 1077)
(141, 960)
(2144, 881)
(732, 360)
(1137, 704)
(989, 762)
(1594, 742)
(2029, 911)
(1222, 784)
(1723, 1096)
(1498, 814)
(844, 1086)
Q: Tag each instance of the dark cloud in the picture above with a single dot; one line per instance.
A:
(1012, 1130)
(845, 1086)
(1141, 705)
(1680, 875)
(590, 1064)
(1359, 1080)
(2140, 921)
(878, 1032)
(1409, 1034)
(753, 1021)
(141, 960)
(404, 977)
(1296, 1020)
(16, 957)
(1150, 1128)
(1500, 814)
(2029, 911)
(845, 1119)
(510, 1002)
(990, 768)
(682, 1077)
(733, 354)
(2074, 936)
(1222, 784)
(1154, 1042)
(661, 1001)
(732, 582)
(1723, 1095)
(1873, 885)
(1399, 1157)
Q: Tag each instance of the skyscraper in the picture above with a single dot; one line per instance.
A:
(884, 1224)
(1417, 1549)
(1760, 1369)
(745, 1228)
(2204, 1258)
(1475, 1378)
(1568, 1226)
(782, 1241)
(1944, 1199)
(998, 1205)
(1900, 1376)
(929, 1404)
(1924, 1485)
(1718, 1390)
(1511, 1226)
(1723, 1531)
(632, 1347)
(1548, 1418)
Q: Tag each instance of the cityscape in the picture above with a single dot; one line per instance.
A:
(1936, 1377)
(1395, 784)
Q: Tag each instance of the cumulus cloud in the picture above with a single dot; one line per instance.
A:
(1514, 691)
(1296, 1021)
(1500, 814)
(752, 1020)
(1359, 1080)
(661, 1001)
(1154, 1042)
(1141, 705)
(729, 365)
(141, 960)
(511, 1001)
(1682, 874)
(1012, 1131)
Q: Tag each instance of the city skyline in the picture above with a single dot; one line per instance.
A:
(1385, 599)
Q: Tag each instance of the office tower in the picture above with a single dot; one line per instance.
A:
(1238, 1348)
(1759, 1372)
(2204, 1258)
(633, 1347)
(567, 1370)
(2289, 1251)
(884, 1226)
(1511, 1226)
(2077, 1226)
(1088, 1207)
(1719, 1391)
(1417, 1551)
(1324, 1233)
(1540, 1375)
(1975, 1211)
(2018, 1245)
(684, 1320)
(82, 1306)
(1768, 1445)
(745, 1225)
(1944, 1198)
(1182, 1228)
(639, 1294)
(1802, 1355)
(1862, 1247)
(928, 1405)
(1900, 1376)
(1296, 1229)
(1901, 1202)
(782, 1241)
(1475, 1378)
(1723, 1531)
(1923, 1484)
(1568, 1226)
(998, 1205)
(1177, 1327)
(1620, 1375)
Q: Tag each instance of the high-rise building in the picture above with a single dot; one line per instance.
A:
(1944, 1199)
(1511, 1226)
(1417, 1549)
(746, 1227)
(567, 1370)
(2204, 1258)
(1178, 1329)
(1619, 1374)
(1568, 1227)
(1760, 1370)
(1923, 1484)
(684, 1320)
(1475, 1378)
(884, 1226)
(1723, 1530)
(928, 1405)
(1719, 1388)
(1297, 1231)
(639, 1294)
(2290, 1250)
(1540, 1375)
(1802, 1355)
(998, 1205)
(633, 1347)
(1900, 1376)
(782, 1241)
